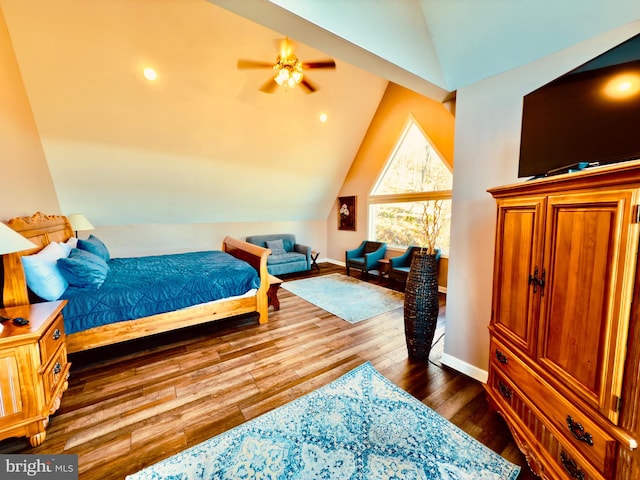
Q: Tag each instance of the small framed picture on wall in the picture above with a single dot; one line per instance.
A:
(347, 213)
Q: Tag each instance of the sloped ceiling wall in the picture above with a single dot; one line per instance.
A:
(455, 43)
(201, 143)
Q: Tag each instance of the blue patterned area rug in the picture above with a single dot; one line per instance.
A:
(346, 297)
(361, 426)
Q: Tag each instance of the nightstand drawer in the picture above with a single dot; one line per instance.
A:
(56, 373)
(52, 339)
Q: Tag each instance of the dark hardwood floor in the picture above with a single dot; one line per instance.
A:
(131, 405)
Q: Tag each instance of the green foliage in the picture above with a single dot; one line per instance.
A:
(414, 167)
(401, 224)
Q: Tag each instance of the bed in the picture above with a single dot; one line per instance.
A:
(43, 229)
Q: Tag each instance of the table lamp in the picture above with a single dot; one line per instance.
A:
(79, 222)
(10, 242)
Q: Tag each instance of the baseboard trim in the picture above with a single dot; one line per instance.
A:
(463, 367)
(441, 289)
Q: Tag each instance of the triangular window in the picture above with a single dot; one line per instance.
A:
(414, 167)
(416, 182)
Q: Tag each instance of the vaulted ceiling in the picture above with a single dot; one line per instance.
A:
(201, 143)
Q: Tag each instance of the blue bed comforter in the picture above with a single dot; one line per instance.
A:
(142, 286)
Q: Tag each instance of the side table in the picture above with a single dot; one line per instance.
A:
(384, 268)
(314, 257)
(35, 371)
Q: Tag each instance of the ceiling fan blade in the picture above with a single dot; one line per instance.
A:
(308, 86)
(319, 64)
(269, 87)
(254, 64)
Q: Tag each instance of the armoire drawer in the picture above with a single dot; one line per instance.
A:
(591, 441)
(558, 458)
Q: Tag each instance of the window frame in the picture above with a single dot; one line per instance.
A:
(405, 197)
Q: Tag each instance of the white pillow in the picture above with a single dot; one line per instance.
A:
(72, 242)
(42, 273)
(66, 248)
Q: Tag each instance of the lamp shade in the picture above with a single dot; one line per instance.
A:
(79, 222)
(11, 241)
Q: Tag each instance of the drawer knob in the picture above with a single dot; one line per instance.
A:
(577, 430)
(57, 334)
(57, 369)
(571, 467)
(505, 390)
(502, 358)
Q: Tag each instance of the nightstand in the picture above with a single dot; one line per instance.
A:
(35, 371)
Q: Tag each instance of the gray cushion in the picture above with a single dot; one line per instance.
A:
(276, 247)
(286, 258)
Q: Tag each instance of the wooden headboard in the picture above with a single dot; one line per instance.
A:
(41, 229)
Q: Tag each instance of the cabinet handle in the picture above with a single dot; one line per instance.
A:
(571, 467)
(57, 369)
(577, 430)
(57, 334)
(502, 358)
(505, 390)
(533, 279)
(538, 282)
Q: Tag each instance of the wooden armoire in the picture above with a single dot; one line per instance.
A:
(565, 335)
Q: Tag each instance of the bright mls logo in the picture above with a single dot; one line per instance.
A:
(51, 467)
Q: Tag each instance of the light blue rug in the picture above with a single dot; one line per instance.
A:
(361, 426)
(346, 297)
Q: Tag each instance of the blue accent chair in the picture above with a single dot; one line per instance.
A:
(399, 266)
(365, 257)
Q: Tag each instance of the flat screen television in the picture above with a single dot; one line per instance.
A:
(590, 115)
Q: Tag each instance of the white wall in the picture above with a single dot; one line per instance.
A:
(159, 239)
(488, 116)
(26, 181)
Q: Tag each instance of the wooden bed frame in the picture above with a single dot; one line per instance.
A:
(42, 229)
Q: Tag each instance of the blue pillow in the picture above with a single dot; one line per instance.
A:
(43, 276)
(83, 269)
(94, 245)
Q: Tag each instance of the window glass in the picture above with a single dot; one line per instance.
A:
(414, 186)
(414, 167)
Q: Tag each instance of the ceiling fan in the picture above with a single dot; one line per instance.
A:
(289, 70)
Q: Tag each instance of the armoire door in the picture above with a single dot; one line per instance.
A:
(589, 263)
(518, 265)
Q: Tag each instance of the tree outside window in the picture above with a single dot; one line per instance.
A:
(415, 183)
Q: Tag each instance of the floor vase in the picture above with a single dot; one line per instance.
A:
(421, 305)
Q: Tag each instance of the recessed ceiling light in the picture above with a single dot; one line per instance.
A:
(323, 117)
(149, 73)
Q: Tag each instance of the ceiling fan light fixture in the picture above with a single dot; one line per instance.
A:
(289, 72)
